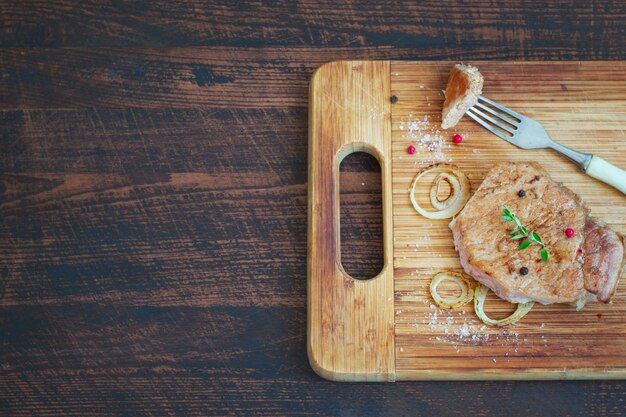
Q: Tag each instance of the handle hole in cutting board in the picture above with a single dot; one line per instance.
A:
(361, 215)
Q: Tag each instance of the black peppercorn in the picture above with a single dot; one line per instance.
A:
(523, 271)
(521, 193)
(394, 99)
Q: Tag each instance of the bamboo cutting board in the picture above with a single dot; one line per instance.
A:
(387, 328)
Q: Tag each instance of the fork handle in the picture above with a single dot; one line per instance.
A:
(607, 172)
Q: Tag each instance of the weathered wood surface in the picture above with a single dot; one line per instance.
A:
(153, 199)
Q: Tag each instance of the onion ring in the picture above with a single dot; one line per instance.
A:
(467, 293)
(454, 184)
(459, 194)
(480, 293)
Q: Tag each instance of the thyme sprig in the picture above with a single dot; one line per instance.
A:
(521, 232)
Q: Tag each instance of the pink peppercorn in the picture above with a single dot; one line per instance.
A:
(411, 149)
(569, 232)
(457, 138)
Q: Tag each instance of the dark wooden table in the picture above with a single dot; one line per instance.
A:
(153, 195)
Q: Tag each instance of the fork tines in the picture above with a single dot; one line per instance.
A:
(483, 115)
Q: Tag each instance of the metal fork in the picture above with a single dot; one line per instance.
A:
(527, 133)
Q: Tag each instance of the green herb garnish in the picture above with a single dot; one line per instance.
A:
(521, 232)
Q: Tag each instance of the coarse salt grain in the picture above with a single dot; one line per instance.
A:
(427, 137)
(464, 331)
(456, 329)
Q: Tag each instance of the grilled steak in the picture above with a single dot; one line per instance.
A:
(465, 84)
(584, 267)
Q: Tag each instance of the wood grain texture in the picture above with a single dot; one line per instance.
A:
(349, 112)
(583, 106)
(560, 29)
(132, 90)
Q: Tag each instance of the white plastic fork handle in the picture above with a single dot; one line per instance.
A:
(607, 172)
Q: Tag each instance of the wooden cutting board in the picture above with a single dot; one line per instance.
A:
(387, 328)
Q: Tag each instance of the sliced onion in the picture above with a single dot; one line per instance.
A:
(467, 293)
(459, 194)
(454, 184)
(480, 294)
